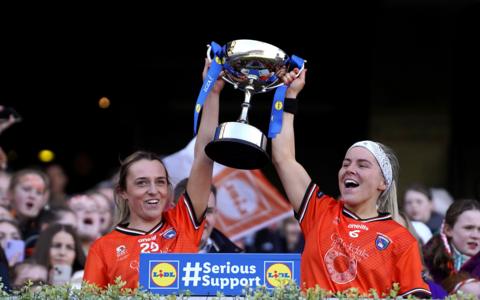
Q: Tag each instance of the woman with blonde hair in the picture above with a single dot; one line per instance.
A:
(352, 242)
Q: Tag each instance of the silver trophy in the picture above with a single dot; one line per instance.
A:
(252, 67)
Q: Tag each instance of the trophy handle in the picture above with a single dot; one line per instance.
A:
(209, 52)
(280, 84)
(235, 85)
(209, 58)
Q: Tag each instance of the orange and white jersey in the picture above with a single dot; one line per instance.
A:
(344, 251)
(118, 253)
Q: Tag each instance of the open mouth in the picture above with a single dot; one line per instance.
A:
(29, 205)
(152, 201)
(349, 183)
(87, 221)
(472, 245)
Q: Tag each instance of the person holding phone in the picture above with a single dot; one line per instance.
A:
(59, 249)
(11, 241)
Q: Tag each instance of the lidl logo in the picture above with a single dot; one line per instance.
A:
(278, 274)
(164, 274)
(278, 105)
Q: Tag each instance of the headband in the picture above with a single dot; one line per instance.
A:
(381, 158)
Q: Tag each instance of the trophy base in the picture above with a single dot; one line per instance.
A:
(238, 145)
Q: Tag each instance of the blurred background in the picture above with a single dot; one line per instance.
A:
(405, 73)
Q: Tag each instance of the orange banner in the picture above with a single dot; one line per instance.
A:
(247, 202)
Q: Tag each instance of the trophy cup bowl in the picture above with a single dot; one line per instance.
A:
(252, 67)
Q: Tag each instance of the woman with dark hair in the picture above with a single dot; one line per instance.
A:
(59, 249)
(142, 194)
(10, 234)
(457, 247)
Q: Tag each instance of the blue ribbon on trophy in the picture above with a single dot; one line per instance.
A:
(209, 81)
(277, 105)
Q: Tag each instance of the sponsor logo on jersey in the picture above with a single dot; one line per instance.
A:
(357, 228)
(341, 267)
(351, 249)
(278, 274)
(382, 242)
(354, 233)
(164, 274)
(147, 239)
(169, 234)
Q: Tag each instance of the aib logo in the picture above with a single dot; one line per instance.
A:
(278, 274)
(164, 274)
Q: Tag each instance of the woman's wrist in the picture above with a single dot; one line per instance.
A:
(290, 105)
(291, 94)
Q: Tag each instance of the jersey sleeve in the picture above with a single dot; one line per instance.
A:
(314, 206)
(183, 216)
(408, 270)
(95, 270)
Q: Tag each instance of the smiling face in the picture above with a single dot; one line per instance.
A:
(62, 249)
(360, 181)
(465, 234)
(147, 192)
(29, 195)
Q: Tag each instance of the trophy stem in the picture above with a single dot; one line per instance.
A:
(245, 106)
